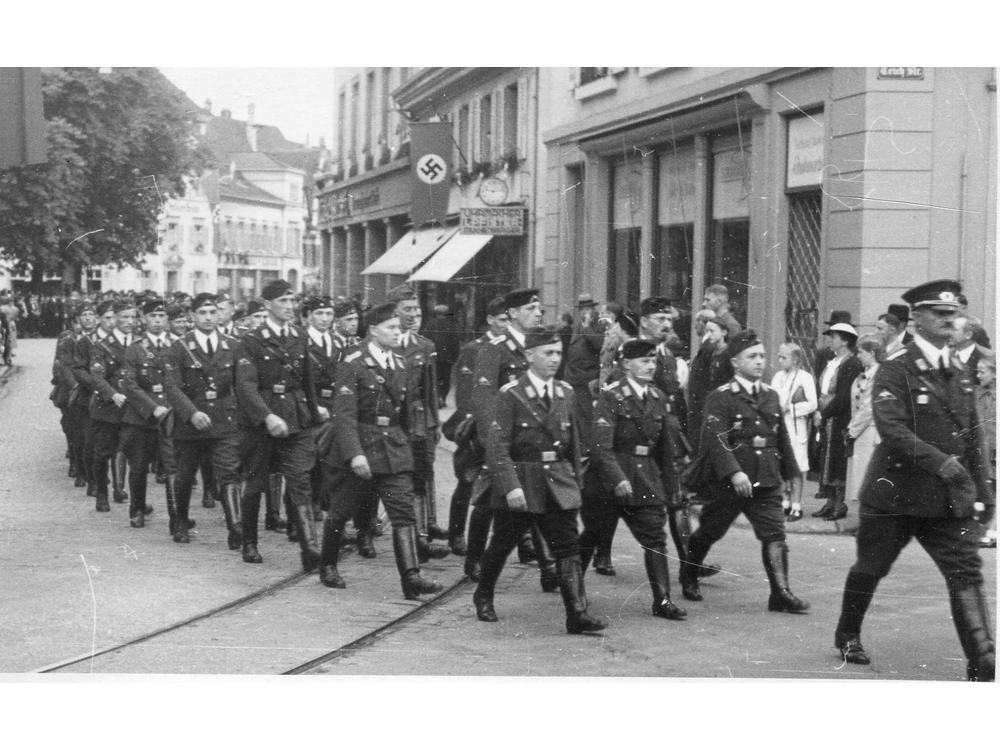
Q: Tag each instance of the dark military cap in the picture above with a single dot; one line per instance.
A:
(378, 315)
(343, 309)
(240, 311)
(105, 306)
(84, 306)
(312, 304)
(638, 348)
(275, 289)
(174, 312)
(586, 300)
(153, 305)
(655, 305)
(941, 294)
(541, 336)
(223, 297)
(401, 292)
(742, 340)
(205, 298)
(902, 312)
(520, 297)
(255, 306)
(123, 304)
(629, 323)
(496, 306)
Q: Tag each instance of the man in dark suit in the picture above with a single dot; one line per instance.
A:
(926, 479)
(963, 341)
(368, 456)
(105, 359)
(534, 453)
(748, 457)
(63, 392)
(144, 384)
(103, 324)
(503, 361)
(200, 374)
(633, 473)
(470, 453)
(276, 396)
(420, 356)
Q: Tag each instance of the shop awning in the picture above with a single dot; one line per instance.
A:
(455, 253)
(414, 248)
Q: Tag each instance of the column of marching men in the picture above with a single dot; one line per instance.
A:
(286, 403)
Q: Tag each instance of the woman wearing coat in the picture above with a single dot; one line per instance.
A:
(834, 415)
(797, 395)
(862, 437)
(711, 367)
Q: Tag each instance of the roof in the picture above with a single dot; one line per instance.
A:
(240, 189)
(306, 159)
(225, 136)
(254, 161)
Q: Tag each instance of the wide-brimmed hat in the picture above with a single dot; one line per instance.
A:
(841, 328)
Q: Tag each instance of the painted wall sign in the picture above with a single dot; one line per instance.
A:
(806, 141)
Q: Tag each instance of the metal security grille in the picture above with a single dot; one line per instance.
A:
(802, 305)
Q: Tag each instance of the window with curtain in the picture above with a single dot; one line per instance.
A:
(628, 214)
(673, 254)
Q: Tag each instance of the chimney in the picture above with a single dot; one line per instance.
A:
(251, 128)
(208, 105)
(226, 113)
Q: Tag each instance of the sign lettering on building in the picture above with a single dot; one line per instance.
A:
(343, 204)
(505, 221)
(806, 141)
(901, 74)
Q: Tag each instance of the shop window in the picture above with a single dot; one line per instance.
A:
(673, 254)
(625, 244)
(728, 258)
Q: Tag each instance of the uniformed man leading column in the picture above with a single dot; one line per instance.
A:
(534, 453)
(746, 452)
(926, 479)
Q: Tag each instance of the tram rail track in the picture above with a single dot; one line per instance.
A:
(357, 644)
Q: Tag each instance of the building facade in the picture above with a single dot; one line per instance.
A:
(489, 242)
(802, 190)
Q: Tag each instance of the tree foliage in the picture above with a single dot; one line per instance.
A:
(119, 145)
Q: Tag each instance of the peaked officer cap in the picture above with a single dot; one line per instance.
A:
(520, 297)
(940, 294)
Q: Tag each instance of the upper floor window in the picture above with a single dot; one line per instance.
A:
(486, 128)
(589, 75)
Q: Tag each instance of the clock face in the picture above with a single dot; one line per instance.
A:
(493, 191)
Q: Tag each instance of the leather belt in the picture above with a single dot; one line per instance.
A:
(642, 450)
(157, 389)
(540, 457)
(381, 422)
(759, 442)
(325, 393)
(280, 388)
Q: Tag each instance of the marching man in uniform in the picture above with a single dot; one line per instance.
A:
(926, 479)
(746, 454)
(368, 456)
(534, 454)
(633, 471)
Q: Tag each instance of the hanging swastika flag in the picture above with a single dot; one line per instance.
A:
(430, 166)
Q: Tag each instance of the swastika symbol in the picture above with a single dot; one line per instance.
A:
(431, 169)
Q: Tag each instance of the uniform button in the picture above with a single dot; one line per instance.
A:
(638, 466)
(758, 453)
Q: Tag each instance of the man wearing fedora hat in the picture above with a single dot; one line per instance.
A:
(834, 414)
(927, 480)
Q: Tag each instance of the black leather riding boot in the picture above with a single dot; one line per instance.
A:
(680, 531)
(479, 533)
(231, 508)
(775, 557)
(333, 537)
(137, 484)
(170, 488)
(306, 522)
(972, 621)
(697, 550)
(457, 515)
(118, 471)
(425, 550)
(101, 484)
(575, 598)
(659, 581)
(208, 494)
(250, 511)
(272, 506)
(181, 526)
(546, 563)
(489, 568)
(404, 544)
(859, 589)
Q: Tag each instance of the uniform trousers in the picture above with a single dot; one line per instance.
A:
(348, 492)
(953, 544)
(141, 446)
(557, 526)
(293, 456)
(106, 438)
(763, 510)
(85, 439)
(318, 476)
(646, 522)
(424, 450)
(223, 452)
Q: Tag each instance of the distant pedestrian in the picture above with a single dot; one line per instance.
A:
(862, 436)
(796, 391)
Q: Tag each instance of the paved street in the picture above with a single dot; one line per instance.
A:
(74, 580)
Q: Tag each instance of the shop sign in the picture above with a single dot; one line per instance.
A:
(731, 184)
(901, 74)
(505, 221)
(341, 205)
(806, 140)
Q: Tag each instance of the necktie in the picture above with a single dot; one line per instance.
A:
(546, 399)
(208, 346)
(326, 343)
(159, 344)
(283, 335)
